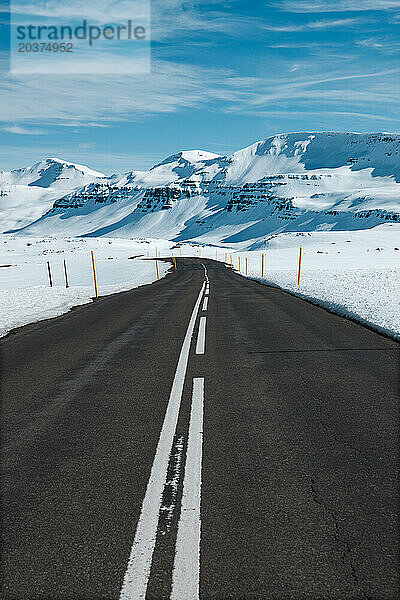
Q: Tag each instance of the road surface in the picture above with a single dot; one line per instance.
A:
(202, 437)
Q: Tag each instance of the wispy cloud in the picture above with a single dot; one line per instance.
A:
(314, 6)
(301, 113)
(89, 124)
(18, 130)
(384, 45)
(173, 87)
(297, 87)
(169, 18)
(101, 11)
(170, 86)
(300, 44)
(312, 25)
(86, 145)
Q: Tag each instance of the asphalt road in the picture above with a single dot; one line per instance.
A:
(254, 457)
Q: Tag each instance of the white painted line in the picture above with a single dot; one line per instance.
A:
(138, 570)
(207, 289)
(201, 338)
(205, 303)
(186, 573)
(205, 273)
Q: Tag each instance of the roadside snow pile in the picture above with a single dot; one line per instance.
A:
(25, 294)
(370, 296)
(20, 306)
(352, 273)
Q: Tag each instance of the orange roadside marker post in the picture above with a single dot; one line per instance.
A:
(96, 291)
(262, 265)
(158, 274)
(300, 264)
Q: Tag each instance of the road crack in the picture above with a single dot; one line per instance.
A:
(346, 557)
(329, 431)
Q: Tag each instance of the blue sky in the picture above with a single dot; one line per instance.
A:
(224, 74)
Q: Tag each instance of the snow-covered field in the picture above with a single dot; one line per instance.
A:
(25, 293)
(356, 274)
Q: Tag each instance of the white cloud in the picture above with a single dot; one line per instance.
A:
(384, 45)
(305, 87)
(169, 18)
(314, 6)
(101, 11)
(301, 113)
(78, 124)
(312, 25)
(86, 145)
(66, 100)
(305, 44)
(96, 125)
(173, 87)
(18, 130)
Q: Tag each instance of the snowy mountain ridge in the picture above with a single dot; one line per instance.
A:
(27, 193)
(288, 182)
(50, 172)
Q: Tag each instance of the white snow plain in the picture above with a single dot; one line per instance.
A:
(25, 293)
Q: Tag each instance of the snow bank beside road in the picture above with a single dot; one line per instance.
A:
(355, 274)
(370, 296)
(25, 294)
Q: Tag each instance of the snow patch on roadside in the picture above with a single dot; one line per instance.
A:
(355, 274)
(25, 294)
(369, 296)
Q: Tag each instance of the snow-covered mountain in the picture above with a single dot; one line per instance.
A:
(288, 182)
(51, 172)
(27, 193)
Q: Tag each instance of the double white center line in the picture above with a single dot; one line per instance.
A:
(201, 338)
(185, 579)
(186, 575)
(138, 571)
